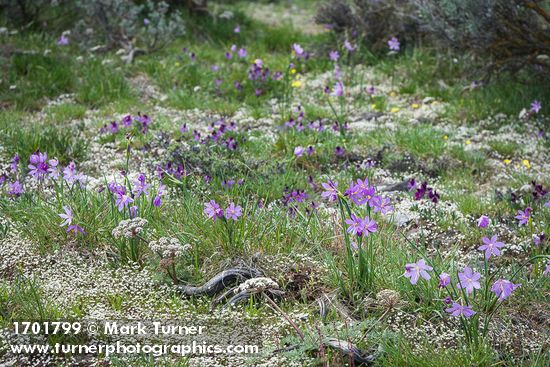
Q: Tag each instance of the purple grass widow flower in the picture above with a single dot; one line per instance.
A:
(394, 44)
(63, 40)
(468, 280)
(242, 53)
(447, 300)
(538, 239)
(381, 205)
(333, 55)
(67, 216)
(483, 221)
(212, 210)
(356, 226)
(233, 48)
(457, 309)
(547, 269)
(331, 190)
(547, 204)
(122, 200)
(140, 187)
(416, 270)
(298, 50)
(133, 211)
(348, 46)
(127, 121)
(444, 280)
(14, 163)
(184, 128)
(536, 106)
(339, 151)
(411, 185)
(233, 212)
(146, 21)
(371, 90)
(237, 29)
(38, 167)
(75, 228)
(228, 55)
(491, 246)
(3, 179)
(503, 288)
(157, 200)
(310, 150)
(299, 151)
(338, 90)
(53, 172)
(15, 189)
(523, 216)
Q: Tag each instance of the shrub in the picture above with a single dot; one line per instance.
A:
(125, 24)
(514, 34)
(372, 20)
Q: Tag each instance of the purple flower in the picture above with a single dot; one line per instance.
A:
(547, 269)
(444, 280)
(538, 239)
(52, 170)
(523, 216)
(298, 50)
(14, 163)
(469, 280)
(140, 187)
(38, 167)
(310, 150)
(228, 55)
(233, 212)
(237, 29)
(334, 55)
(63, 40)
(331, 190)
(371, 90)
(355, 225)
(457, 309)
(242, 53)
(416, 270)
(503, 288)
(75, 228)
(348, 46)
(394, 44)
(157, 201)
(127, 121)
(122, 200)
(133, 211)
(67, 216)
(213, 210)
(483, 221)
(411, 185)
(381, 204)
(15, 189)
(339, 151)
(184, 128)
(146, 21)
(536, 106)
(299, 151)
(491, 246)
(338, 90)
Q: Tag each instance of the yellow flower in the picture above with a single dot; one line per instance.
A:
(468, 142)
(415, 106)
(177, 63)
(373, 106)
(526, 163)
(292, 71)
(296, 84)
(393, 94)
(507, 161)
(435, 103)
(394, 109)
(445, 137)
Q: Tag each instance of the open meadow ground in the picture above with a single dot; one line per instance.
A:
(281, 183)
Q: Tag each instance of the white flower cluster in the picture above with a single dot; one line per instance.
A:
(169, 247)
(260, 283)
(129, 228)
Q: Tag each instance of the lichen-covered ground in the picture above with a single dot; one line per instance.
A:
(203, 127)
